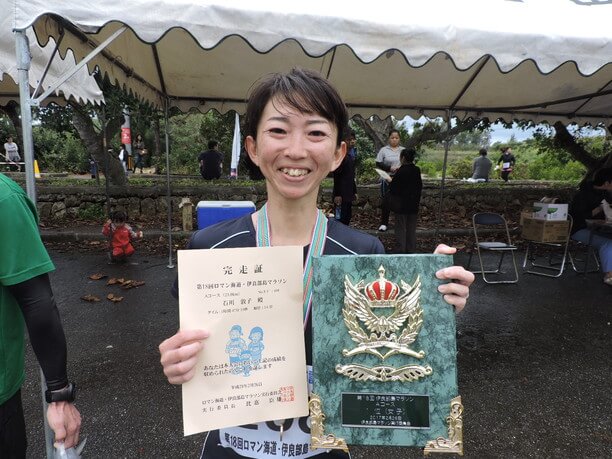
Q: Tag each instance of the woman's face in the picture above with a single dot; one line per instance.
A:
(295, 151)
(394, 140)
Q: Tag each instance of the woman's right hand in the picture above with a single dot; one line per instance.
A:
(179, 354)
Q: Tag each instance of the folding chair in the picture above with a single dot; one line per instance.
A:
(575, 259)
(491, 220)
(555, 266)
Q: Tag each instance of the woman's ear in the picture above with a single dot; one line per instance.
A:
(251, 147)
(339, 155)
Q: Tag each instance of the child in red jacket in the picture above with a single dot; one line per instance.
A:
(120, 235)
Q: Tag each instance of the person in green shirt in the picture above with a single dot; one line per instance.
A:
(26, 298)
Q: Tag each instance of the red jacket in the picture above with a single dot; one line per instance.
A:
(122, 235)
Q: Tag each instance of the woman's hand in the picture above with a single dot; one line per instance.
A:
(180, 353)
(457, 291)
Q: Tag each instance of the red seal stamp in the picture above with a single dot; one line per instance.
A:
(287, 394)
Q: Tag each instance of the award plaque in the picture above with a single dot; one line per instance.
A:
(384, 354)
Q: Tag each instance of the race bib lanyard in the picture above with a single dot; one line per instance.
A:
(317, 243)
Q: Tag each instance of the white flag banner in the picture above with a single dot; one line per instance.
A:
(235, 148)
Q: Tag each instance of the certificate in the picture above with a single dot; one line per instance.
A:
(384, 354)
(252, 367)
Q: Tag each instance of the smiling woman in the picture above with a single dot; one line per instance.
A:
(295, 124)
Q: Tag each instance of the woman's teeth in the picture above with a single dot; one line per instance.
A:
(294, 172)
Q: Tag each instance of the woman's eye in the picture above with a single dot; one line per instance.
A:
(277, 131)
(318, 133)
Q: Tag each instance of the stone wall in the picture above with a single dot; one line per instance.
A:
(60, 203)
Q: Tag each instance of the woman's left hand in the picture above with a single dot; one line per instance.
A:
(457, 291)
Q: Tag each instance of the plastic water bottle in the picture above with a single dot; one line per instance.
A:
(337, 214)
(63, 453)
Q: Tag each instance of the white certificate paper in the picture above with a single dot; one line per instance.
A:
(253, 365)
(383, 174)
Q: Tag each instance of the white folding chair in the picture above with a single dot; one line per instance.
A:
(501, 247)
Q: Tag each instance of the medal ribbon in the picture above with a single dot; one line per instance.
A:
(317, 243)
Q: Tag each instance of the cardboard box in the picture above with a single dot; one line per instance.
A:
(549, 211)
(525, 214)
(211, 212)
(540, 230)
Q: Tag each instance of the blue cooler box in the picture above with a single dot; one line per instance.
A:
(211, 212)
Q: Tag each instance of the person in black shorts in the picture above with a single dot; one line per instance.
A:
(294, 123)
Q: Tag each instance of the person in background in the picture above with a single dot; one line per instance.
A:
(26, 298)
(507, 161)
(123, 157)
(211, 161)
(93, 167)
(588, 204)
(294, 123)
(481, 167)
(120, 235)
(406, 187)
(139, 149)
(345, 188)
(388, 159)
(11, 152)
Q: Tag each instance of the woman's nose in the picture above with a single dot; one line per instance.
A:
(296, 146)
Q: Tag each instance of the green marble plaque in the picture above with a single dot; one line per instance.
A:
(384, 348)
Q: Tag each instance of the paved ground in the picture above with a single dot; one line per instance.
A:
(534, 366)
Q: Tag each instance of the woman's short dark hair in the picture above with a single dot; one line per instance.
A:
(483, 151)
(305, 90)
(408, 154)
(392, 131)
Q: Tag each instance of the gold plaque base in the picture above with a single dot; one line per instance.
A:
(318, 439)
(454, 443)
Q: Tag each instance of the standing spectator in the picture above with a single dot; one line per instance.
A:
(211, 161)
(11, 151)
(481, 167)
(345, 188)
(93, 167)
(388, 159)
(406, 188)
(507, 161)
(26, 297)
(587, 204)
(123, 157)
(140, 151)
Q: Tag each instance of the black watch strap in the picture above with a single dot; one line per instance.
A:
(67, 394)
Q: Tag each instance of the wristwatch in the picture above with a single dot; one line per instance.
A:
(67, 394)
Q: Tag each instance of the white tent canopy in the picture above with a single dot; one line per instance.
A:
(540, 60)
(81, 88)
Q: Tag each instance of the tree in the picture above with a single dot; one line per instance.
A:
(431, 131)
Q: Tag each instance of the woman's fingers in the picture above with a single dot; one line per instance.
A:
(179, 354)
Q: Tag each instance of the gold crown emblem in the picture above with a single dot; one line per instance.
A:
(382, 293)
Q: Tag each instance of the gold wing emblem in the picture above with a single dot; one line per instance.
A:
(383, 328)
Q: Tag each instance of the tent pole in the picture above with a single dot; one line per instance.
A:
(446, 148)
(22, 49)
(168, 197)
